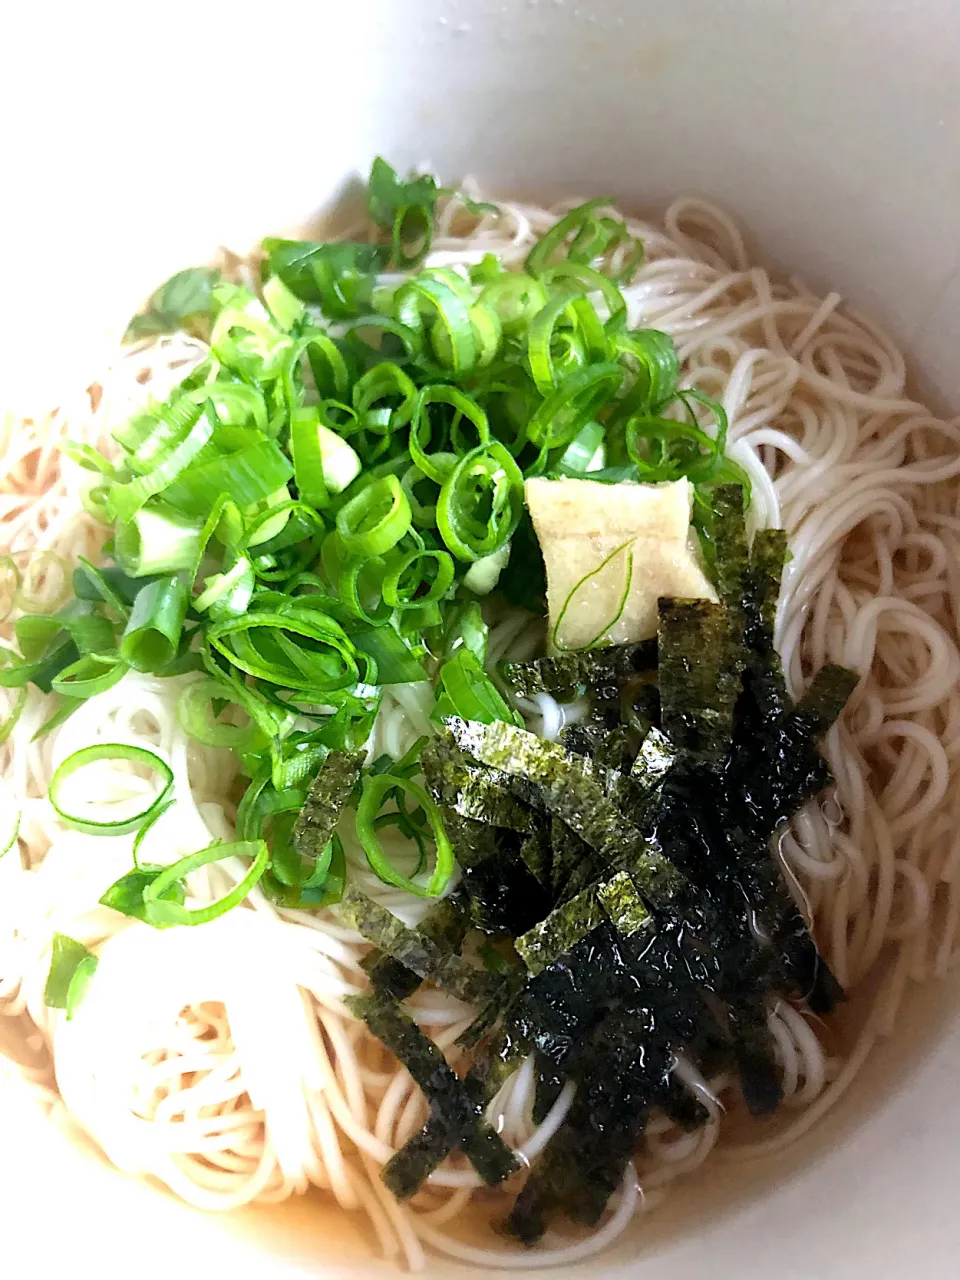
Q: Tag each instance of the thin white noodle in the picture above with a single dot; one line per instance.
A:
(230, 1091)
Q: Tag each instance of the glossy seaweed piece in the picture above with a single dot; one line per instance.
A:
(556, 1008)
(637, 793)
(620, 900)
(477, 793)
(455, 1105)
(569, 794)
(446, 924)
(761, 593)
(329, 792)
(584, 1161)
(559, 931)
(548, 1088)
(537, 853)
(410, 1167)
(565, 675)
(827, 695)
(607, 748)
(504, 895)
(573, 864)
(730, 543)
(701, 665)
(415, 951)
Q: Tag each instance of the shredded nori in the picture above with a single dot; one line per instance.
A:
(329, 792)
(556, 934)
(415, 950)
(630, 862)
(446, 924)
(455, 1105)
(701, 663)
(568, 792)
(623, 905)
(565, 675)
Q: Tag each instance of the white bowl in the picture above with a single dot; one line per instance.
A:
(145, 137)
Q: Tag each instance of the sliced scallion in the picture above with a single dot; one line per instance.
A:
(110, 751)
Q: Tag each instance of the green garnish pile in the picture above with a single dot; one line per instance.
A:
(318, 508)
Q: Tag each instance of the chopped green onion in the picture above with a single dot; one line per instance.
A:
(376, 788)
(152, 634)
(125, 500)
(323, 462)
(339, 276)
(451, 333)
(262, 644)
(483, 574)
(469, 692)
(117, 751)
(376, 519)
(44, 584)
(227, 595)
(402, 584)
(92, 674)
(480, 502)
(161, 912)
(566, 411)
(157, 540)
(248, 476)
(71, 968)
(200, 721)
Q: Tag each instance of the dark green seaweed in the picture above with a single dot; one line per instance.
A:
(410, 1167)
(623, 905)
(567, 792)
(701, 663)
(556, 934)
(329, 792)
(455, 1105)
(483, 795)
(414, 949)
(445, 924)
(566, 675)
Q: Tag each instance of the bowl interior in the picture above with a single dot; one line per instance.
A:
(829, 129)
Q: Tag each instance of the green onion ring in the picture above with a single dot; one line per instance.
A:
(161, 913)
(109, 751)
(375, 788)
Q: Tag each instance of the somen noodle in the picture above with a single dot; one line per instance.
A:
(221, 1060)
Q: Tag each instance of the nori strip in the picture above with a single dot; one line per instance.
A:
(410, 1167)
(455, 1104)
(328, 793)
(826, 697)
(765, 681)
(565, 674)
(564, 926)
(483, 795)
(730, 542)
(504, 895)
(568, 793)
(655, 759)
(701, 664)
(445, 923)
(606, 749)
(537, 853)
(572, 860)
(623, 905)
(584, 1161)
(415, 950)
